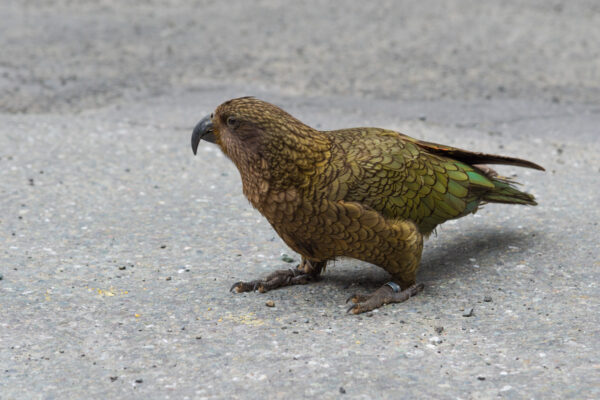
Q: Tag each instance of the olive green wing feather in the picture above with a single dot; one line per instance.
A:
(435, 189)
(407, 179)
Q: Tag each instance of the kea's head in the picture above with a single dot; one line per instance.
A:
(247, 124)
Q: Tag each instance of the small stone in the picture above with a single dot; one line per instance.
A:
(163, 246)
(369, 314)
(270, 303)
(139, 380)
(168, 278)
(1, 277)
(113, 378)
(342, 390)
(122, 267)
(286, 258)
(481, 378)
(438, 329)
(468, 312)
(435, 340)
(198, 337)
(487, 299)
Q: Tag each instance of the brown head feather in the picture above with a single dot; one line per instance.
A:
(255, 133)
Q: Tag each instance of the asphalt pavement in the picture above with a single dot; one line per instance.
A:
(118, 246)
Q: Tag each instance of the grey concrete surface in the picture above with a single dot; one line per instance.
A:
(117, 246)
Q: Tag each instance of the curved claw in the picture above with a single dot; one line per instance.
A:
(233, 288)
(352, 307)
(241, 286)
(358, 298)
(259, 287)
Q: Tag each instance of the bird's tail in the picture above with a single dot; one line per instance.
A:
(506, 192)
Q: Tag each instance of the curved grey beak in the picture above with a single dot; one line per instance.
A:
(203, 130)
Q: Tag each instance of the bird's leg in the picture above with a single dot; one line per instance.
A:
(391, 292)
(394, 245)
(305, 272)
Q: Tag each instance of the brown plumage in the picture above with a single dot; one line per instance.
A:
(366, 193)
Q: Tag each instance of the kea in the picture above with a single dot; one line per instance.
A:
(366, 193)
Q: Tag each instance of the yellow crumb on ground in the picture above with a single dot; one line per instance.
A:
(110, 292)
(247, 319)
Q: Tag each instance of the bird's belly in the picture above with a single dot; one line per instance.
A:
(301, 223)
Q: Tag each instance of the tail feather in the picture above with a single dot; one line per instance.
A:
(505, 192)
(471, 157)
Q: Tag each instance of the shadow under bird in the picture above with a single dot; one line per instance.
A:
(366, 193)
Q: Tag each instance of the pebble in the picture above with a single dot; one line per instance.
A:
(435, 340)
(468, 312)
(487, 299)
(270, 303)
(438, 329)
(342, 390)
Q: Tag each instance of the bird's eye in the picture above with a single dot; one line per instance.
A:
(232, 122)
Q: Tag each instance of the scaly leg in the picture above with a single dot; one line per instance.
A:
(305, 272)
(388, 293)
